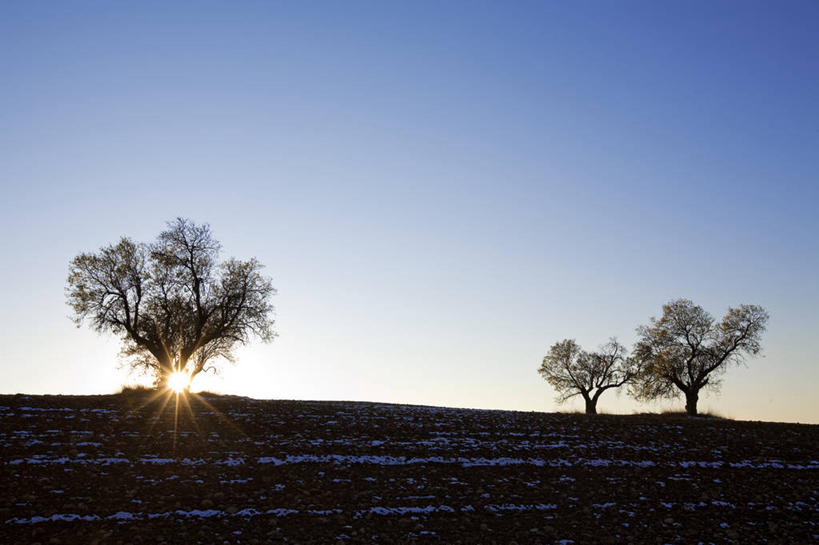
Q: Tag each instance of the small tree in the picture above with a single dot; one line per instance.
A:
(572, 371)
(686, 349)
(174, 305)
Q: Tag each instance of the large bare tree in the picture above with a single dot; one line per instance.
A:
(686, 350)
(175, 306)
(572, 371)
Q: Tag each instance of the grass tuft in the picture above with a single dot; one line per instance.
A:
(703, 414)
(130, 389)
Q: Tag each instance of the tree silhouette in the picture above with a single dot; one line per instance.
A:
(686, 349)
(174, 305)
(572, 371)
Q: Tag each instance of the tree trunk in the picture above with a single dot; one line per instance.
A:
(691, 399)
(196, 370)
(161, 378)
(162, 372)
(591, 405)
(164, 375)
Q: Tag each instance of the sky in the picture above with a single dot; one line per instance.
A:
(439, 190)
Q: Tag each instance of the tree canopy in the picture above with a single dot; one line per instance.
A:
(686, 350)
(174, 305)
(572, 371)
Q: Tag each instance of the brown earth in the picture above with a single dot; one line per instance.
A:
(117, 469)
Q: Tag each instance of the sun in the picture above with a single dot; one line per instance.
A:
(178, 381)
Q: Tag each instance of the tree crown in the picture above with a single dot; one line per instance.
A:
(172, 301)
(687, 349)
(572, 371)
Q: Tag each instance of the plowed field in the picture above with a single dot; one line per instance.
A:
(120, 469)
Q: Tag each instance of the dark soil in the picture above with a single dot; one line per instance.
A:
(121, 469)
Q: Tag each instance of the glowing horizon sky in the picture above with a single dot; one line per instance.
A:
(439, 191)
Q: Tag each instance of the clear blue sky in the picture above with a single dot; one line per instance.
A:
(440, 191)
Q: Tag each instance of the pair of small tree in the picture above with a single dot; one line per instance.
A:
(683, 352)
